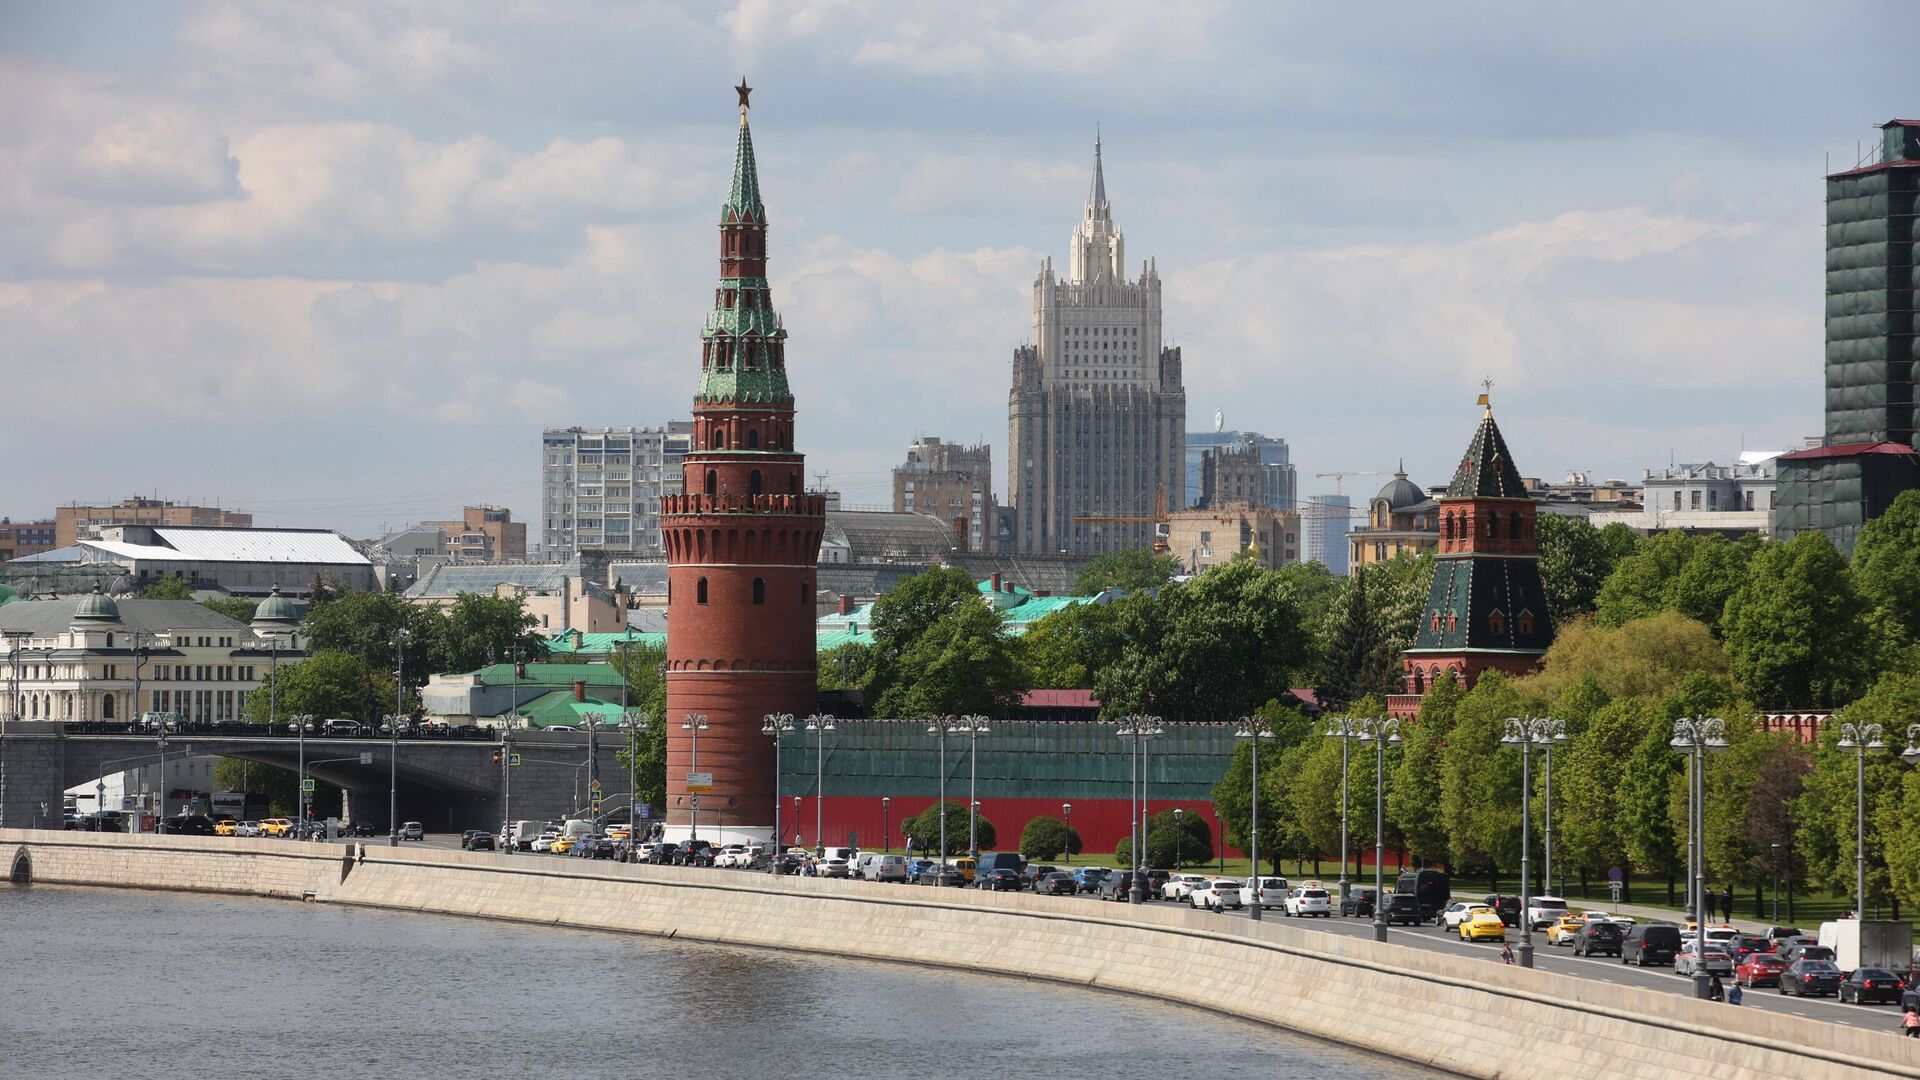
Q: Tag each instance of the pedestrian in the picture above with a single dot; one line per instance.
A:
(1708, 903)
(1910, 1023)
(1506, 952)
(1726, 903)
(1734, 993)
(1716, 990)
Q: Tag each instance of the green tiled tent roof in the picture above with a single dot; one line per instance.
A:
(556, 675)
(1470, 597)
(743, 197)
(1487, 471)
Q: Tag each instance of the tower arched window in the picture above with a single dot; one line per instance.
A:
(713, 482)
(1513, 526)
(109, 639)
(753, 481)
(1446, 526)
(1493, 524)
(759, 590)
(719, 439)
(1496, 622)
(1453, 622)
(1525, 622)
(753, 442)
(700, 592)
(793, 483)
(106, 707)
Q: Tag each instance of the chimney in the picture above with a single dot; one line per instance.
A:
(579, 689)
(996, 581)
(846, 604)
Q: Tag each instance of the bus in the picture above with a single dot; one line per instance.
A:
(238, 805)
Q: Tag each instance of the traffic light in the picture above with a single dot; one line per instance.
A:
(496, 757)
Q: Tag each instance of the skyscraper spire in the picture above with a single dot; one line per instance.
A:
(1097, 197)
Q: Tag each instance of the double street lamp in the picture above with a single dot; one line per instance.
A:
(819, 724)
(1861, 738)
(1695, 737)
(1138, 730)
(694, 723)
(1527, 732)
(1253, 729)
(1346, 729)
(393, 729)
(776, 725)
(973, 727)
(1381, 731)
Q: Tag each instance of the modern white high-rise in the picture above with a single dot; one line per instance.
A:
(1097, 415)
(1324, 521)
(601, 487)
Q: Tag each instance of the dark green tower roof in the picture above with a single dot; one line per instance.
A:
(743, 198)
(1487, 471)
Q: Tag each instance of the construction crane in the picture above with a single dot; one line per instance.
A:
(1158, 520)
(1341, 474)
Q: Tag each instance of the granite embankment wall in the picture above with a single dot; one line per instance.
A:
(1473, 1018)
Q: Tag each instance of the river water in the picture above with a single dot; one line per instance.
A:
(122, 984)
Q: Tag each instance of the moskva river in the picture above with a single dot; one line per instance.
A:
(106, 983)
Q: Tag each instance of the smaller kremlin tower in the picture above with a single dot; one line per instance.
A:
(742, 544)
(1487, 607)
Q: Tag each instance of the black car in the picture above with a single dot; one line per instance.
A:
(466, 838)
(1876, 986)
(363, 828)
(1119, 886)
(1033, 874)
(598, 847)
(1816, 977)
(188, 825)
(1058, 883)
(480, 841)
(667, 854)
(944, 874)
(998, 881)
(1507, 907)
(1598, 938)
(1403, 909)
(1742, 946)
(1650, 943)
(694, 853)
(1807, 949)
(1156, 879)
(1358, 903)
(787, 863)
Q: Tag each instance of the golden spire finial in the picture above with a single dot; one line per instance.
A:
(1486, 394)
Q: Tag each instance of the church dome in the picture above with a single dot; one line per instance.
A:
(275, 613)
(7, 594)
(97, 607)
(1400, 492)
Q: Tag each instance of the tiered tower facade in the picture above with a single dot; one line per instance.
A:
(742, 543)
(1487, 606)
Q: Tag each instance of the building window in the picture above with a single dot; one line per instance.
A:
(753, 481)
(1693, 500)
(806, 594)
(753, 440)
(713, 482)
(1453, 622)
(1496, 622)
(1676, 500)
(759, 590)
(1526, 622)
(700, 592)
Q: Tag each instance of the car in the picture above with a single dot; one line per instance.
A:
(1807, 950)
(1309, 900)
(1650, 943)
(543, 843)
(1483, 925)
(1058, 883)
(1033, 873)
(1156, 879)
(247, 828)
(1358, 903)
(363, 828)
(1001, 880)
(1402, 909)
(188, 825)
(892, 868)
(482, 841)
(226, 826)
(466, 838)
(917, 867)
(663, 853)
(1776, 933)
(833, 865)
(1713, 960)
(1870, 985)
(1816, 977)
(593, 847)
(946, 874)
(413, 830)
(1543, 911)
(1564, 928)
(969, 868)
(696, 853)
(1598, 936)
(1118, 886)
(1180, 886)
(1218, 894)
(1272, 892)
(1459, 911)
(560, 845)
(730, 856)
(276, 826)
(1759, 969)
(1088, 878)
(1507, 907)
(1745, 945)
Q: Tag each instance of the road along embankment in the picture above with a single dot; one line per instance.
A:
(1465, 1016)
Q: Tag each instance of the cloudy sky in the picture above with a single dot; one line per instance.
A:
(339, 263)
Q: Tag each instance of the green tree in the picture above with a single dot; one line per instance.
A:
(1652, 656)
(367, 624)
(1674, 571)
(1413, 804)
(1795, 629)
(238, 608)
(644, 669)
(1358, 654)
(1397, 592)
(847, 667)
(1649, 775)
(1173, 841)
(1062, 650)
(1479, 779)
(902, 616)
(1828, 807)
(1574, 561)
(1588, 831)
(963, 663)
(480, 630)
(1886, 564)
(1047, 838)
(1130, 570)
(167, 588)
(924, 829)
(1233, 799)
(325, 685)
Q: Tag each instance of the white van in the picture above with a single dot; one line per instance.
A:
(577, 828)
(883, 867)
(340, 727)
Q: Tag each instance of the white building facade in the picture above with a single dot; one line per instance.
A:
(601, 487)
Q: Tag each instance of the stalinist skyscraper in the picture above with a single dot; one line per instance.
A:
(1097, 418)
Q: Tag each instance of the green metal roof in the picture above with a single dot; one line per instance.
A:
(743, 197)
(558, 707)
(555, 675)
(573, 642)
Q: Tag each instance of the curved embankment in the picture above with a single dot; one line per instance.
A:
(1473, 1018)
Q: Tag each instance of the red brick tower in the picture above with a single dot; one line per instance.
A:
(742, 542)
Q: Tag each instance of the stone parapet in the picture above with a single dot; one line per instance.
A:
(1465, 1016)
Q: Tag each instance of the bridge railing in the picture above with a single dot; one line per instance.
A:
(238, 729)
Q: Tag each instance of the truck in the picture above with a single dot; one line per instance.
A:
(1872, 943)
(238, 805)
(1431, 888)
(521, 834)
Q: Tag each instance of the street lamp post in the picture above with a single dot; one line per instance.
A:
(1138, 730)
(635, 722)
(1695, 736)
(886, 825)
(1382, 731)
(938, 729)
(393, 729)
(819, 724)
(1066, 816)
(1178, 814)
(1253, 730)
(695, 723)
(973, 727)
(776, 725)
(796, 820)
(300, 723)
(1527, 733)
(1773, 856)
(1860, 738)
(1346, 729)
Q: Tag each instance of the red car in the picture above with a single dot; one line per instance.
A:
(1760, 969)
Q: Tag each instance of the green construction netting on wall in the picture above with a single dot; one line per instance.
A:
(1870, 303)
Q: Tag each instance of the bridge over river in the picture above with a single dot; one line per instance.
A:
(447, 783)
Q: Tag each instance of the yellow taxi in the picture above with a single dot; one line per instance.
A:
(967, 867)
(620, 832)
(561, 845)
(1563, 929)
(226, 826)
(275, 826)
(1483, 926)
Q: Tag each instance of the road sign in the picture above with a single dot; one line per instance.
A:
(700, 782)
(306, 785)
(1614, 887)
(693, 802)
(646, 812)
(1614, 874)
(596, 784)
(366, 757)
(514, 759)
